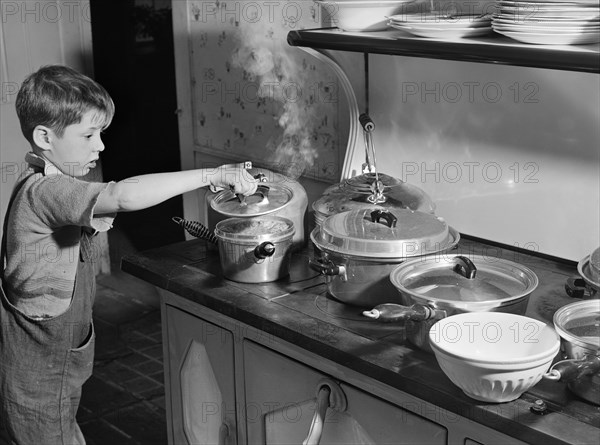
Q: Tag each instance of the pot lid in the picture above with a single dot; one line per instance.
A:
(356, 193)
(457, 278)
(263, 228)
(267, 199)
(376, 232)
(579, 323)
(363, 183)
(589, 269)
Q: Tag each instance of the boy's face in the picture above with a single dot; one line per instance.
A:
(76, 152)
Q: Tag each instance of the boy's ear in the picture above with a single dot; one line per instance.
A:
(42, 136)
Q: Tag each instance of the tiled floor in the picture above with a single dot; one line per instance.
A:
(123, 403)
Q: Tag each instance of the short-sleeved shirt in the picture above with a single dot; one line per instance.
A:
(46, 220)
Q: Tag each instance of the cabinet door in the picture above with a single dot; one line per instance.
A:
(281, 393)
(201, 380)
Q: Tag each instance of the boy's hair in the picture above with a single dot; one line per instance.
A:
(57, 96)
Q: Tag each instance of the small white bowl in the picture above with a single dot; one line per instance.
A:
(356, 15)
(493, 356)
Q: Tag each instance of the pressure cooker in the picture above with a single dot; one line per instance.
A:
(276, 195)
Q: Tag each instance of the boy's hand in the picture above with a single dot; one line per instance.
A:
(235, 178)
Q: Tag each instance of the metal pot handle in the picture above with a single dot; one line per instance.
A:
(390, 312)
(328, 268)
(576, 287)
(389, 217)
(465, 267)
(573, 369)
(264, 250)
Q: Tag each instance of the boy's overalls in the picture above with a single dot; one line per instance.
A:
(44, 362)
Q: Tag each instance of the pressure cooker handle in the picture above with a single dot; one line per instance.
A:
(328, 268)
(262, 190)
(389, 217)
(390, 312)
(576, 287)
(366, 122)
(573, 369)
(465, 267)
(264, 250)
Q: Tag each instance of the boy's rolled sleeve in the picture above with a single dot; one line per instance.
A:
(61, 200)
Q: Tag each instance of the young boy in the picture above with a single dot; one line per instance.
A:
(46, 331)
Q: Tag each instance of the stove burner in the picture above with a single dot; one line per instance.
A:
(327, 304)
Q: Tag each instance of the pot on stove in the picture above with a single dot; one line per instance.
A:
(439, 286)
(371, 188)
(255, 250)
(578, 325)
(356, 250)
(359, 192)
(587, 284)
(277, 195)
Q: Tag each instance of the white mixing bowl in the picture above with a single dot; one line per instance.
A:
(493, 356)
(357, 15)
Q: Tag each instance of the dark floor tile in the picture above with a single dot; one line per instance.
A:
(149, 367)
(147, 323)
(143, 385)
(134, 359)
(114, 307)
(160, 402)
(116, 373)
(135, 340)
(155, 352)
(100, 432)
(100, 396)
(159, 377)
(143, 421)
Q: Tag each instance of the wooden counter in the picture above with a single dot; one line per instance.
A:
(297, 312)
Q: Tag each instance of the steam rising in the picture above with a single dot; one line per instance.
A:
(294, 85)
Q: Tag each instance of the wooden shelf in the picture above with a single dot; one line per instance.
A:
(495, 49)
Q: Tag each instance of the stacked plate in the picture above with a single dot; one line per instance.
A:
(442, 26)
(547, 22)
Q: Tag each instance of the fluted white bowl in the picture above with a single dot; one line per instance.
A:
(360, 15)
(493, 356)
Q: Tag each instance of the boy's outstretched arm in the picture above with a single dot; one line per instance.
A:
(141, 192)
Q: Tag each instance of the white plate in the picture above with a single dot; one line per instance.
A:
(552, 3)
(443, 25)
(529, 27)
(548, 23)
(433, 18)
(444, 33)
(552, 38)
(551, 15)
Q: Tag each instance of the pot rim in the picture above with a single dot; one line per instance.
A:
(584, 269)
(530, 361)
(411, 264)
(228, 194)
(243, 239)
(452, 241)
(561, 316)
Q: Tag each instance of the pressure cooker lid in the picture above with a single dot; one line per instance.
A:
(376, 232)
(263, 228)
(355, 193)
(460, 278)
(363, 183)
(589, 269)
(579, 323)
(268, 198)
